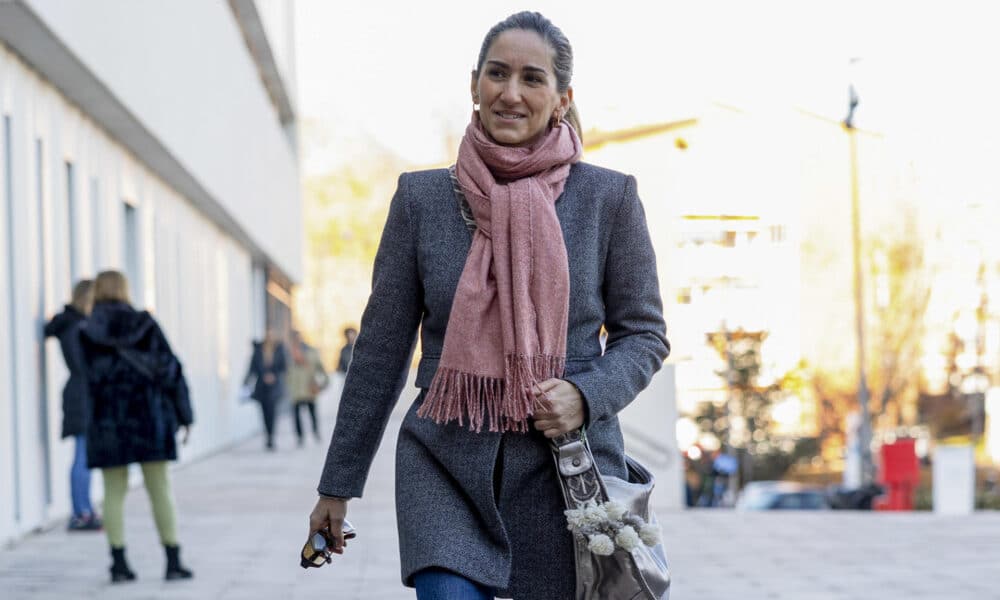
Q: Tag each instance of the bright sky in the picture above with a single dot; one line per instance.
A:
(399, 71)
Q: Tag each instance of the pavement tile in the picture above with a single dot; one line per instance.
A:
(242, 519)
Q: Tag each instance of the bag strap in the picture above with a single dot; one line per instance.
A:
(143, 369)
(579, 477)
(582, 484)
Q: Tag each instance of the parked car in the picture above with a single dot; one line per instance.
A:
(854, 499)
(781, 495)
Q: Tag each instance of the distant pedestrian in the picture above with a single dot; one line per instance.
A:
(344, 363)
(75, 402)
(306, 379)
(347, 352)
(692, 482)
(140, 401)
(725, 467)
(267, 372)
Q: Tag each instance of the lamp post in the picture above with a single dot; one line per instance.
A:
(864, 430)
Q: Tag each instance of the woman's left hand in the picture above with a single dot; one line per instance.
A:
(560, 407)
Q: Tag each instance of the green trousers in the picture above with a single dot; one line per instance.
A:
(157, 482)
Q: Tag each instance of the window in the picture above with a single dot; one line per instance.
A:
(800, 501)
(777, 233)
(130, 252)
(97, 224)
(43, 375)
(71, 225)
(8, 192)
(222, 315)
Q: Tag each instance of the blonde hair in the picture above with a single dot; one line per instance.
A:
(111, 286)
(83, 296)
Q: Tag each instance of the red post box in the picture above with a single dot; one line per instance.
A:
(900, 474)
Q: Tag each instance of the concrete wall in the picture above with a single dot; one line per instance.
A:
(649, 425)
(183, 70)
(55, 228)
(278, 19)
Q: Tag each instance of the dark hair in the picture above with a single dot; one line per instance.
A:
(562, 62)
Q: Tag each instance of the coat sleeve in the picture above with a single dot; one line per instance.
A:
(637, 342)
(382, 354)
(280, 363)
(182, 399)
(252, 371)
(255, 370)
(172, 373)
(52, 327)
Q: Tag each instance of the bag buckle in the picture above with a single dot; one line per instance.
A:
(574, 458)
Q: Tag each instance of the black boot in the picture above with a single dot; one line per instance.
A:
(174, 568)
(119, 568)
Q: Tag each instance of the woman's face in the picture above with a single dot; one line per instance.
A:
(516, 88)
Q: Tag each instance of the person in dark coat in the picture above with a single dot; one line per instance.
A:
(75, 404)
(267, 369)
(347, 352)
(518, 245)
(139, 402)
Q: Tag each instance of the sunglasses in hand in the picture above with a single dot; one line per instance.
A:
(318, 550)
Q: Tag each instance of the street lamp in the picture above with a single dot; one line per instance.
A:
(864, 430)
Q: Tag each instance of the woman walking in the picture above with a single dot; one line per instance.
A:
(75, 403)
(140, 401)
(306, 379)
(267, 367)
(509, 263)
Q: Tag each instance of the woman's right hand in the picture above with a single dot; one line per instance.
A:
(329, 515)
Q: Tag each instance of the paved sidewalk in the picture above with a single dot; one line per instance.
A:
(243, 518)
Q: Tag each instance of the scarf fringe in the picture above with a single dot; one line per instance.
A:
(503, 404)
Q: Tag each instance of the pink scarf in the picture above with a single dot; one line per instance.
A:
(507, 328)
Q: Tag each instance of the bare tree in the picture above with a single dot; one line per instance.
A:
(896, 265)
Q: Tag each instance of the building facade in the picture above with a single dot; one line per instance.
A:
(157, 139)
(750, 212)
(750, 217)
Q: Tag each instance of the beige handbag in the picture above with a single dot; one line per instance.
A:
(618, 552)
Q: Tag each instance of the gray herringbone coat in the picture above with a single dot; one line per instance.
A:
(487, 505)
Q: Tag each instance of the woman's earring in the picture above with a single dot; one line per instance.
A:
(475, 102)
(557, 119)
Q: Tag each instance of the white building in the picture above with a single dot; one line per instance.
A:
(157, 138)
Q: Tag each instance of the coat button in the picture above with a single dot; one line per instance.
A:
(576, 462)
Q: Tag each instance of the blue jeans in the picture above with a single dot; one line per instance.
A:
(79, 480)
(439, 584)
